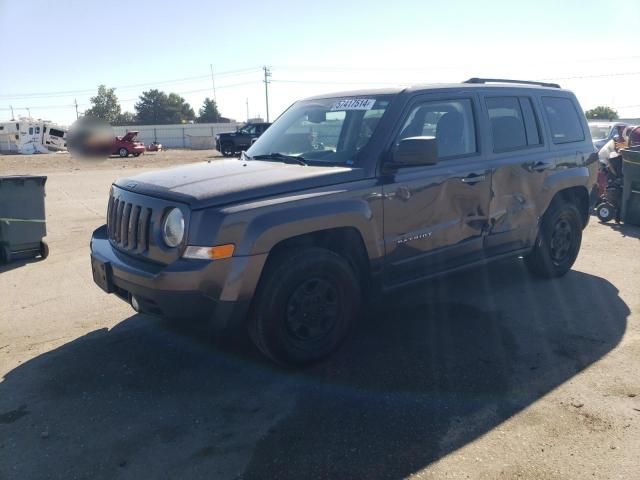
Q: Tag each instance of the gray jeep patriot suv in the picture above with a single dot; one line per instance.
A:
(347, 193)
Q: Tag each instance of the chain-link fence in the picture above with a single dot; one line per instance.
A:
(192, 135)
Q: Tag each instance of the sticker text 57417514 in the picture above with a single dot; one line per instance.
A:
(354, 104)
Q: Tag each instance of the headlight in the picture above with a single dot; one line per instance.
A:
(173, 228)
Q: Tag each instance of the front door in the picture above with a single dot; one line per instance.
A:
(435, 216)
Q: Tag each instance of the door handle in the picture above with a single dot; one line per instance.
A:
(539, 166)
(473, 179)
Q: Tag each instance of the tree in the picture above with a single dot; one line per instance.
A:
(105, 105)
(126, 118)
(181, 111)
(158, 108)
(602, 113)
(208, 112)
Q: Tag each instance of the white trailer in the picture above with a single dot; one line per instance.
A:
(29, 135)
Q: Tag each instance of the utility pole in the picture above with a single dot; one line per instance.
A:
(213, 84)
(12, 116)
(28, 111)
(75, 102)
(267, 75)
(247, 109)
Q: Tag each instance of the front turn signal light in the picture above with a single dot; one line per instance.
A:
(218, 252)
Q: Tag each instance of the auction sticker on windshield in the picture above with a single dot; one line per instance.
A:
(354, 104)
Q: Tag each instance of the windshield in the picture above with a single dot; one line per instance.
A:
(331, 130)
(599, 132)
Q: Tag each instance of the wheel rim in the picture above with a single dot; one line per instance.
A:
(561, 240)
(604, 212)
(123, 152)
(312, 310)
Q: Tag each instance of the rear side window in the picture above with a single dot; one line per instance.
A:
(450, 121)
(563, 120)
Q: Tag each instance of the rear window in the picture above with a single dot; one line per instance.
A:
(564, 121)
(513, 123)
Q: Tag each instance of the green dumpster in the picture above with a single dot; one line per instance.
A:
(22, 219)
(631, 192)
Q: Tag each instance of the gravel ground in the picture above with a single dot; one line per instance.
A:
(486, 374)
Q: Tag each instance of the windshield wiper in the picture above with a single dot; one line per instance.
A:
(281, 156)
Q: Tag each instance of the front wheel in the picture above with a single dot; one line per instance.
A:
(558, 242)
(123, 152)
(306, 304)
(605, 212)
(228, 150)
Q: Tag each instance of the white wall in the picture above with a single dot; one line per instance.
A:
(179, 136)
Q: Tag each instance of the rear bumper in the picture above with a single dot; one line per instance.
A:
(218, 292)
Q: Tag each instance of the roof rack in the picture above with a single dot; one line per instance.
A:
(503, 80)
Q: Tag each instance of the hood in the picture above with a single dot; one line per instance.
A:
(229, 181)
(129, 136)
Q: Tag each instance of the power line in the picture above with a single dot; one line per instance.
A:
(65, 93)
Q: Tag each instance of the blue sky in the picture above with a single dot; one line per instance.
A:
(51, 48)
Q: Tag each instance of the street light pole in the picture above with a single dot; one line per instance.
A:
(267, 75)
(213, 84)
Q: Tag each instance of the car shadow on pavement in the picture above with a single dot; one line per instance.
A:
(431, 369)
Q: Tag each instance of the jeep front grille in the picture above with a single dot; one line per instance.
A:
(128, 225)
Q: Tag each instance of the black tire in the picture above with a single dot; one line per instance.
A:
(227, 150)
(605, 212)
(558, 242)
(136, 154)
(305, 306)
(44, 250)
(123, 152)
(5, 255)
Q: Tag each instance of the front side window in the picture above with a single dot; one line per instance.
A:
(56, 133)
(330, 130)
(449, 121)
(563, 118)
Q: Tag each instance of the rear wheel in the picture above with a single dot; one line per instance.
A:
(123, 152)
(136, 154)
(305, 306)
(44, 250)
(558, 241)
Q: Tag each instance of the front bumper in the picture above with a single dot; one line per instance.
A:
(218, 292)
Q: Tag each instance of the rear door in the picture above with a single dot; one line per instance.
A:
(520, 160)
(435, 216)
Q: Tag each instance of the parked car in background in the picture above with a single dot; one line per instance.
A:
(127, 145)
(233, 143)
(602, 132)
(353, 193)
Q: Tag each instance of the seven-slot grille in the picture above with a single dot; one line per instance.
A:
(128, 225)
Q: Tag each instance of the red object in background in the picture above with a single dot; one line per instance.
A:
(127, 145)
(602, 181)
(154, 147)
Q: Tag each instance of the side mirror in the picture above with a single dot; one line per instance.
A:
(415, 151)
